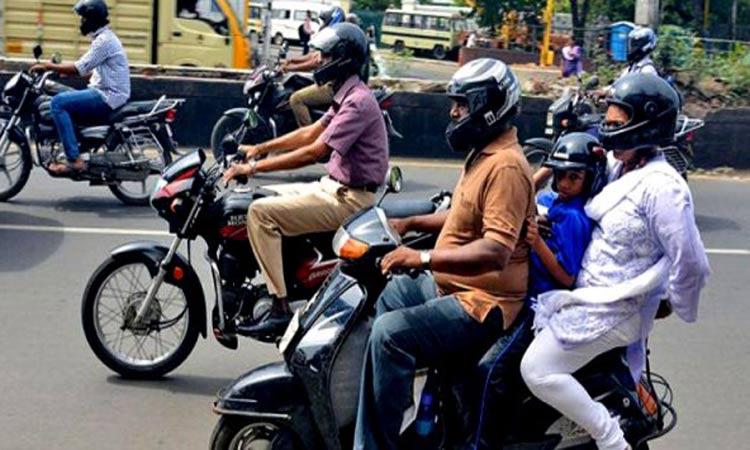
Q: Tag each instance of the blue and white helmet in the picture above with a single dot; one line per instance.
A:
(641, 43)
(331, 16)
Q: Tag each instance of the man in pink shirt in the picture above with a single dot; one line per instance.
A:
(352, 133)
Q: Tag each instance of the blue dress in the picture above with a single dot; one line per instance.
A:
(571, 234)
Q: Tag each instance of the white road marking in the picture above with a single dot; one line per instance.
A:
(161, 233)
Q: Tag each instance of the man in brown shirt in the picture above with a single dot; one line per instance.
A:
(480, 261)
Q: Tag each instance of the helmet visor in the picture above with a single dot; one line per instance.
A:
(324, 40)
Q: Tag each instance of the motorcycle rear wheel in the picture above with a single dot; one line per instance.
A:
(110, 301)
(134, 193)
(243, 433)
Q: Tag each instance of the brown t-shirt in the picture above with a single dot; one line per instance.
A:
(492, 200)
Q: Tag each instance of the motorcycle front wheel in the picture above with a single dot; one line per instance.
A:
(141, 350)
(243, 433)
(15, 168)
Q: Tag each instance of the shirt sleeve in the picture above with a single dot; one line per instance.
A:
(572, 234)
(505, 205)
(344, 128)
(93, 58)
(669, 208)
(327, 117)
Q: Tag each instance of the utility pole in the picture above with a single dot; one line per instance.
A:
(267, 32)
(547, 56)
(647, 13)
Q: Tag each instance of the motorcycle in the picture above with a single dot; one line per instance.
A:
(309, 400)
(269, 114)
(144, 307)
(126, 151)
(576, 110)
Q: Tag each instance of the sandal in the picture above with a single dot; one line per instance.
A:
(66, 168)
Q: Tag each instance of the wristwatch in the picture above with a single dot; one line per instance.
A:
(426, 258)
(253, 164)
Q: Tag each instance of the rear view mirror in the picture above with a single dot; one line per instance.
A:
(395, 180)
(37, 51)
(592, 83)
(229, 145)
(57, 58)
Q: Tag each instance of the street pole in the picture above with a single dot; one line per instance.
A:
(647, 12)
(546, 56)
(706, 8)
(267, 32)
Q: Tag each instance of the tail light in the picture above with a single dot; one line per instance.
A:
(690, 136)
(170, 116)
(386, 102)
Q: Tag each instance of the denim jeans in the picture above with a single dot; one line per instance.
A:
(415, 328)
(83, 107)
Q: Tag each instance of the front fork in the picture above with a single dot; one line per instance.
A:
(5, 137)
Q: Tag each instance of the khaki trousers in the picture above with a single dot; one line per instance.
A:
(301, 208)
(311, 96)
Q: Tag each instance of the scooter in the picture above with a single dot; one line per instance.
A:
(309, 400)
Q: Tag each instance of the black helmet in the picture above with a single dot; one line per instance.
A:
(580, 151)
(493, 95)
(652, 106)
(94, 15)
(641, 42)
(331, 16)
(346, 44)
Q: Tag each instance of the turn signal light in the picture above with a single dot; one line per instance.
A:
(353, 249)
(178, 274)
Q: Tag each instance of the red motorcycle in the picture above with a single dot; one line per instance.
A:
(144, 307)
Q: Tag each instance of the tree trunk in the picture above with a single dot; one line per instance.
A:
(579, 9)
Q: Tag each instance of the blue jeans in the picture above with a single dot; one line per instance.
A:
(415, 328)
(83, 107)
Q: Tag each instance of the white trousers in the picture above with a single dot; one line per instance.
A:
(547, 367)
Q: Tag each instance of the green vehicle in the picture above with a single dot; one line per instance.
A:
(439, 33)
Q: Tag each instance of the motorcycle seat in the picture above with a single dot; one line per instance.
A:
(406, 208)
(131, 109)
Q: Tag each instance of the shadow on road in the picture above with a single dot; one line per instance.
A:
(19, 252)
(708, 224)
(102, 207)
(177, 384)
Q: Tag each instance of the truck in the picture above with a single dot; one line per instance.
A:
(184, 33)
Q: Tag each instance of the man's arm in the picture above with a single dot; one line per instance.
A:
(306, 63)
(64, 69)
(475, 258)
(298, 138)
(428, 223)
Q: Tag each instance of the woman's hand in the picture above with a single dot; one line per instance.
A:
(403, 258)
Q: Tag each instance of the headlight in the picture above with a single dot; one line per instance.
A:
(346, 247)
(246, 88)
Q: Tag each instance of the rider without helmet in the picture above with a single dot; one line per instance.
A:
(492, 94)
(331, 16)
(641, 43)
(94, 15)
(580, 151)
(652, 106)
(345, 51)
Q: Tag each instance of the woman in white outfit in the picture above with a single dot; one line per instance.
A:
(646, 246)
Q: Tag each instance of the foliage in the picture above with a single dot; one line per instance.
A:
(376, 5)
(675, 48)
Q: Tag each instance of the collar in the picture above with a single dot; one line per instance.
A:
(98, 32)
(345, 88)
(506, 140)
(575, 202)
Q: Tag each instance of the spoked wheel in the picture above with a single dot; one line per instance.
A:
(15, 167)
(137, 193)
(136, 349)
(242, 433)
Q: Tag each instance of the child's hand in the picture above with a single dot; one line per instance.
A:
(544, 226)
(532, 231)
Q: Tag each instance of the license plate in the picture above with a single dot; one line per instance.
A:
(291, 330)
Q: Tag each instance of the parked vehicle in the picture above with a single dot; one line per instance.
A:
(438, 33)
(164, 32)
(309, 400)
(269, 114)
(125, 151)
(576, 111)
(286, 18)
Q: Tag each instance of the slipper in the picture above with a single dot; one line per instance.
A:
(65, 168)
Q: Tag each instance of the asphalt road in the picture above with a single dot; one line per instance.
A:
(57, 395)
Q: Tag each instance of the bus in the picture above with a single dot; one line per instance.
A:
(439, 33)
(165, 32)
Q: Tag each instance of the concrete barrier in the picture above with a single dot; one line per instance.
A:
(421, 118)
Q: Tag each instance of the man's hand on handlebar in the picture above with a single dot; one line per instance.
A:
(40, 67)
(238, 170)
(248, 152)
(401, 260)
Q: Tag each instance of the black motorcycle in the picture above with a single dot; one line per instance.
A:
(144, 307)
(125, 151)
(269, 114)
(309, 400)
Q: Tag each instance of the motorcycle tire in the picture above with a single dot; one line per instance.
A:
(16, 186)
(536, 157)
(235, 433)
(142, 199)
(93, 334)
(230, 124)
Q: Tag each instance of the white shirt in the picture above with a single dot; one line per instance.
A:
(107, 62)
